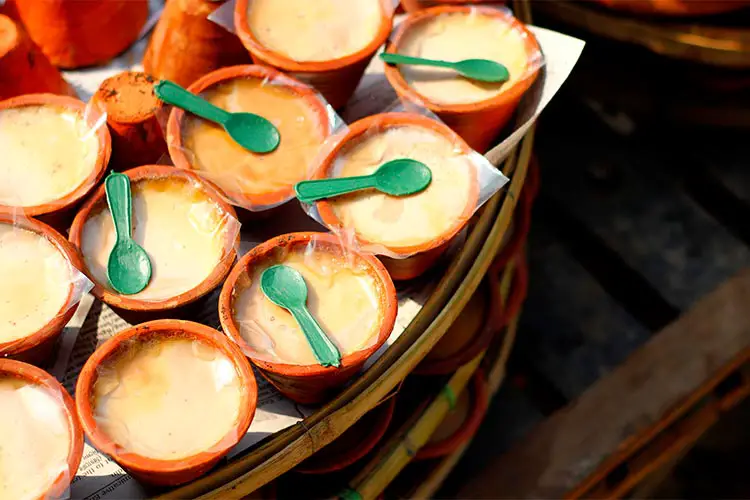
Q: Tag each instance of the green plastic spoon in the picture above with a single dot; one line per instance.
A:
(129, 268)
(285, 287)
(482, 70)
(399, 177)
(251, 131)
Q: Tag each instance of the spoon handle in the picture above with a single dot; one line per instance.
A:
(117, 187)
(309, 191)
(173, 94)
(325, 352)
(402, 59)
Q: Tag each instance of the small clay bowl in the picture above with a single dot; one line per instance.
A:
(37, 347)
(151, 309)
(38, 377)
(351, 446)
(421, 256)
(415, 5)
(182, 158)
(151, 470)
(131, 107)
(30, 69)
(74, 34)
(336, 79)
(477, 122)
(307, 384)
(471, 404)
(58, 212)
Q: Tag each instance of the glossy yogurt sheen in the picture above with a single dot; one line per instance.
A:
(35, 280)
(168, 398)
(184, 232)
(47, 153)
(34, 439)
(392, 221)
(319, 30)
(342, 296)
(455, 37)
(237, 170)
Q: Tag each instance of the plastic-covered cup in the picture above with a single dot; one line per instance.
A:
(73, 33)
(349, 293)
(477, 111)
(42, 441)
(30, 69)
(40, 287)
(166, 399)
(409, 232)
(327, 44)
(253, 181)
(54, 151)
(189, 232)
(415, 5)
(186, 45)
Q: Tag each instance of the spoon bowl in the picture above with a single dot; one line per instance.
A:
(128, 268)
(402, 177)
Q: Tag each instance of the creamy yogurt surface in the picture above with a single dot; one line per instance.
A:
(343, 296)
(392, 221)
(319, 30)
(35, 281)
(455, 37)
(167, 398)
(47, 152)
(34, 439)
(184, 232)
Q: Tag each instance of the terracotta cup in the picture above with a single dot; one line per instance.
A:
(675, 7)
(415, 5)
(75, 33)
(38, 347)
(58, 212)
(356, 442)
(157, 471)
(335, 79)
(131, 106)
(419, 257)
(182, 158)
(147, 308)
(24, 68)
(307, 384)
(475, 406)
(186, 45)
(479, 122)
(37, 376)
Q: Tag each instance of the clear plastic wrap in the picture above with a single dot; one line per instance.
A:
(42, 442)
(40, 288)
(253, 181)
(401, 227)
(190, 234)
(55, 149)
(166, 399)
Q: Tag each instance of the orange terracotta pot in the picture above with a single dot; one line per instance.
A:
(307, 384)
(57, 212)
(75, 33)
(176, 118)
(478, 123)
(185, 45)
(26, 70)
(676, 7)
(156, 471)
(118, 301)
(38, 347)
(415, 5)
(356, 442)
(37, 376)
(464, 430)
(423, 256)
(336, 79)
(131, 106)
